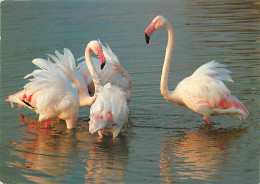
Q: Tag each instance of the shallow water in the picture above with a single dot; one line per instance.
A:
(162, 143)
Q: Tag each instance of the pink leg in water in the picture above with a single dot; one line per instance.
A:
(208, 121)
(47, 123)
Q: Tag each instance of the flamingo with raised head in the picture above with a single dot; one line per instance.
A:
(51, 90)
(204, 91)
(109, 113)
(112, 73)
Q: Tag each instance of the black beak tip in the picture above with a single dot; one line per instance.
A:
(102, 66)
(147, 38)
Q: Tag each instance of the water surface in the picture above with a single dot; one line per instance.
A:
(162, 143)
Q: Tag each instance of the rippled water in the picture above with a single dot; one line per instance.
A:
(163, 143)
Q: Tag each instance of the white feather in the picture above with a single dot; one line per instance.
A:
(205, 89)
(66, 63)
(51, 94)
(205, 83)
(112, 73)
(110, 100)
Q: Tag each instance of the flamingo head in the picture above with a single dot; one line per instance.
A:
(157, 23)
(97, 49)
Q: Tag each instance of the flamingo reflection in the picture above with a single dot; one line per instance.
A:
(53, 152)
(197, 154)
(108, 159)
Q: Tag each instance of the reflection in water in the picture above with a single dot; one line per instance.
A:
(44, 150)
(225, 31)
(53, 151)
(197, 154)
(107, 160)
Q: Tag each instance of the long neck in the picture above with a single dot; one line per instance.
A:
(79, 83)
(166, 65)
(93, 73)
(84, 97)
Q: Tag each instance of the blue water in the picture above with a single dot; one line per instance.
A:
(162, 143)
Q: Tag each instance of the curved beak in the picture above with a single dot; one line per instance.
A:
(147, 38)
(148, 32)
(102, 59)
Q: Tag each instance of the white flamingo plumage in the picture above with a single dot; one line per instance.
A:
(49, 93)
(109, 112)
(67, 64)
(204, 91)
(60, 76)
(112, 73)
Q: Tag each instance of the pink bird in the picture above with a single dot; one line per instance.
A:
(50, 94)
(112, 73)
(204, 91)
(56, 89)
(109, 113)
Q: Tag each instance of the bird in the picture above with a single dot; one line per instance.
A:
(49, 93)
(66, 63)
(48, 85)
(204, 92)
(112, 73)
(109, 113)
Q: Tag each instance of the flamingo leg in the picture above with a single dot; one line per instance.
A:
(47, 123)
(206, 119)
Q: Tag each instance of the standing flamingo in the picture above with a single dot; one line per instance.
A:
(204, 91)
(109, 112)
(50, 94)
(45, 91)
(112, 73)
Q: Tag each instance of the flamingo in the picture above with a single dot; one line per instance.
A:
(109, 113)
(44, 94)
(67, 64)
(204, 92)
(112, 73)
(50, 94)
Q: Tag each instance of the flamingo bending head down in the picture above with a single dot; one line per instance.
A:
(109, 113)
(113, 72)
(56, 90)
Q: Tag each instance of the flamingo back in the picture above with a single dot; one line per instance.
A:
(109, 54)
(51, 92)
(205, 92)
(205, 83)
(65, 62)
(110, 111)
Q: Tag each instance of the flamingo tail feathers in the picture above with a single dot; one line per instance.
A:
(214, 70)
(21, 99)
(233, 102)
(233, 107)
(65, 62)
